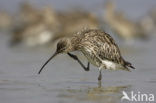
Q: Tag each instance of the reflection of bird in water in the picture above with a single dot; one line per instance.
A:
(107, 94)
(97, 46)
(124, 27)
(111, 94)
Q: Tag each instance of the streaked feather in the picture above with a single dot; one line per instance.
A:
(101, 45)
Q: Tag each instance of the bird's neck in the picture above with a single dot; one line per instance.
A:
(74, 42)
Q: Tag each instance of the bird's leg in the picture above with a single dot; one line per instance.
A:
(100, 75)
(77, 59)
(99, 84)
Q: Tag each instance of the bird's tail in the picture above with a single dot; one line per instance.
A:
(127, 64)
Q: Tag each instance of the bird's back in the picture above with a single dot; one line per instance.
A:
(102, 46)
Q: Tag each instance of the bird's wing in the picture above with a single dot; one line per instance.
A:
(103, 46)
(107, 49)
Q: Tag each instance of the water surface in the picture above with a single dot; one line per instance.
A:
(64, 81)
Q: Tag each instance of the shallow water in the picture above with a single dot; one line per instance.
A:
(64, 81)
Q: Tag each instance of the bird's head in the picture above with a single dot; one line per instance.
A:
(63, 46)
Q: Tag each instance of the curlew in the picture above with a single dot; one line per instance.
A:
(97, 46)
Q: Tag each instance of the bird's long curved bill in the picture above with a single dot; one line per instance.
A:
(47, 62)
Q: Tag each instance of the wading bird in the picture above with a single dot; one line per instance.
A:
(97, 46)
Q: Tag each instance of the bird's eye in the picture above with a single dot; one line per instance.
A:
(61, 47)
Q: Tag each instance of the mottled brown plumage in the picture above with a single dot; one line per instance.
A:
(100, 44)
(99, 48)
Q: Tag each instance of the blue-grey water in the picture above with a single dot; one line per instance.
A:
(63, 80)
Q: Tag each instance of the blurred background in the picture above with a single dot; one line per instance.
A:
(30, 29)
